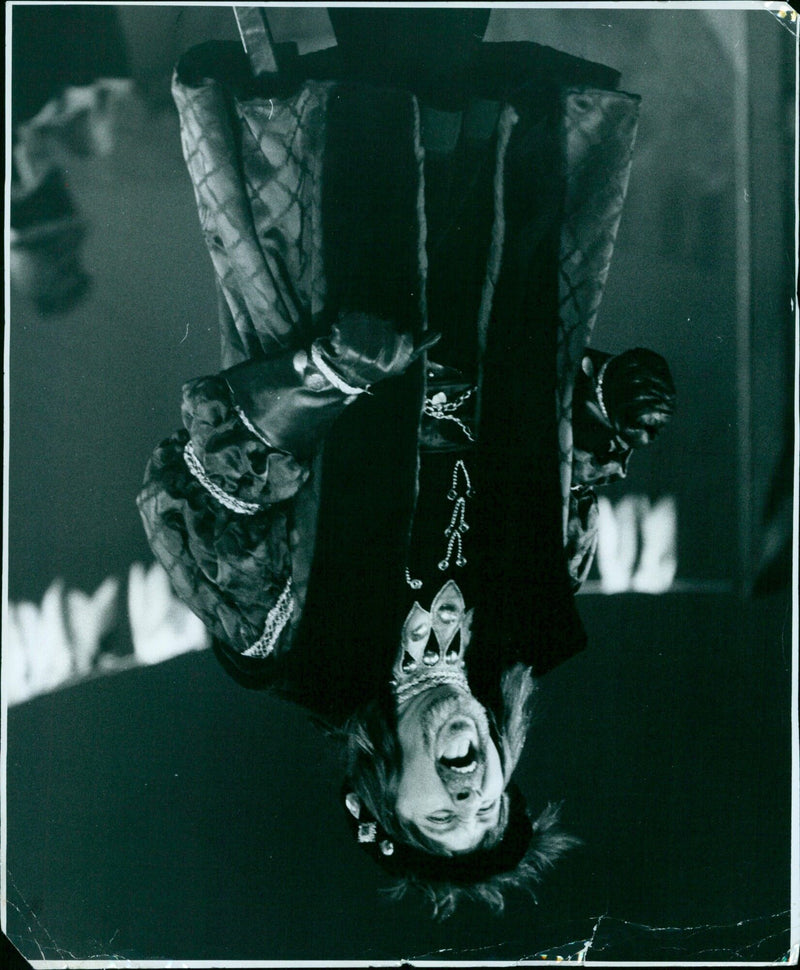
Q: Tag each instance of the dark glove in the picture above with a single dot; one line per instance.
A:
(362, 350)
(294, 398)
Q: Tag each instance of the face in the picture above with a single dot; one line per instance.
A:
(452, 779)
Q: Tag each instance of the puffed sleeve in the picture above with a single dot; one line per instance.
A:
(219, 496)
(216, 506)
(231, 451)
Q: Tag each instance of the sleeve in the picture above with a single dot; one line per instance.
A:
(229, 455)
(215, 511)
(220, 495)
(581, 541)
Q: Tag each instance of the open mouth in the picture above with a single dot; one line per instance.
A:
(460, 755)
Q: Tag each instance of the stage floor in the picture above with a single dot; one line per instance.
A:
(166, 813)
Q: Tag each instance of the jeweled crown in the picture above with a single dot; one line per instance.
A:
(433, 644)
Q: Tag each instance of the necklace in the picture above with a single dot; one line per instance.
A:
(439, 408)
(460, 490)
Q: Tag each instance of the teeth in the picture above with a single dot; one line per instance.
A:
(457, 749)
(459, 756)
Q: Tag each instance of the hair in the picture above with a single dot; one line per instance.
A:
(548, 844)
(373, 761)
(639, 392)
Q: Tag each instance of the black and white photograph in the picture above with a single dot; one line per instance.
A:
(400, 494)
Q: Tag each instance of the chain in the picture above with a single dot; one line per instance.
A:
(443, 410)
(458, 524)
(448, 405)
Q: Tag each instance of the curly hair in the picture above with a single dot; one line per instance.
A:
(373, 761)
(548, 844)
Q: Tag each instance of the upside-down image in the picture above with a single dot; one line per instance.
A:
(400, 484)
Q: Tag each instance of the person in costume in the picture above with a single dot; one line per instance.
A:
(368, 505)
(622, 403)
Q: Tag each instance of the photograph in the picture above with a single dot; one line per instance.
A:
(400, 485)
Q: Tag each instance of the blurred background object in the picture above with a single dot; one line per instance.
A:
(47, 646)
(636, 549)
(56, 49)
(72, 636)
(46, 234)
(161, 625)
(617, 542)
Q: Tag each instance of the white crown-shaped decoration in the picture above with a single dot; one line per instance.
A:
(433, 643)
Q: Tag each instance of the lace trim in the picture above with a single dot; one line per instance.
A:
(276, 620)
(331, 376)
(252, 428)
(197, 470)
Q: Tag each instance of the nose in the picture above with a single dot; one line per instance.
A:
(466, 796)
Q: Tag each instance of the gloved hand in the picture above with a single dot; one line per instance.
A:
(362, 349)
(294, 398)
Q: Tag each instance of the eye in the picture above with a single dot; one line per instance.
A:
(441, 818)
(488, 809)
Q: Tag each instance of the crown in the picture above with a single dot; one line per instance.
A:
(432, 645)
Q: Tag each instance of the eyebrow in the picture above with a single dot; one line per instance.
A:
(453, 825)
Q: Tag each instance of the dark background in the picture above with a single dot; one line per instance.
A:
(167, 813)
